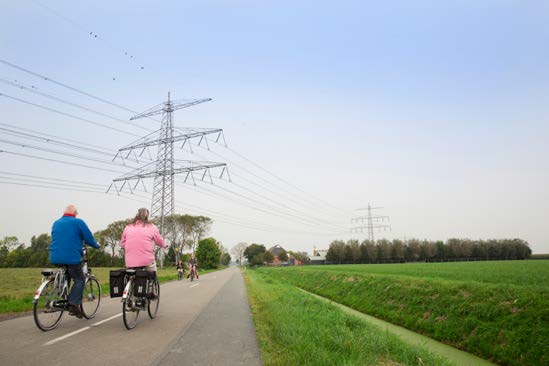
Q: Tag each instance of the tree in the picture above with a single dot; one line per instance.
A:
(253, 250)
(336, 251)
(6, 245)
(111, 236)
(283, 256)
(268, 257)
(225, 259)
(354, 249)
(238, 251)
(208, 253)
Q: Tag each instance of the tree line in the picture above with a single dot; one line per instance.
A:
(190, 234)
(414, 250)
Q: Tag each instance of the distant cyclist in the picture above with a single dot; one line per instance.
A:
(192, 266)
(67, 235)
(138, 241)
(180, 270)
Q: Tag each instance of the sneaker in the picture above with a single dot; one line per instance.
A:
(75, 310)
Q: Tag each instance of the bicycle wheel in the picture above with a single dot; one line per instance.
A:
(46, 316)
(152, 308)
(91, 298)
(192, 276)
(129, 311)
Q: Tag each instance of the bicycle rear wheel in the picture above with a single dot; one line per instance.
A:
(130, 312)
(46, 317)
(154, 302)
(91, 298)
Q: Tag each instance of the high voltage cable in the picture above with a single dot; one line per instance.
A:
(67, 86)
(127, 109)
(55, 179)
(260, 186)
(53, 140)
(282, 180)
(101, 148)
(285, 216)
(2, 151)
(68, 115)
(64, 186)
(52, 97)
(306, 218)
(132, 111)
(93, 35)
(15, 143)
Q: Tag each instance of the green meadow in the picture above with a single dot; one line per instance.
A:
(498, 311)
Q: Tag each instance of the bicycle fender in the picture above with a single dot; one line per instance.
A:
(126, 290)
(39, 291)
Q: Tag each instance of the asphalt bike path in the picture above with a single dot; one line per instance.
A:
(104, 340)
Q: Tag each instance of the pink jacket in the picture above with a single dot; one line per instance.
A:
(138, 242)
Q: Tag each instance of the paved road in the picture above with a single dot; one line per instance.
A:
(206, 322)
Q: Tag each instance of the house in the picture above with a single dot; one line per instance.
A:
(319, 256)
(277, 250)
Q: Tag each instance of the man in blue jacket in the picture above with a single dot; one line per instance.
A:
(67, 235)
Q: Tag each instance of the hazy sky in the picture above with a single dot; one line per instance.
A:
(438, 112)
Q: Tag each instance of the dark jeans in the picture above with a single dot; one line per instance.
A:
(77, 276)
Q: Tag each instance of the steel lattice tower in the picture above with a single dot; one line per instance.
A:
(372, 222)
(165, 167)
(163, 197)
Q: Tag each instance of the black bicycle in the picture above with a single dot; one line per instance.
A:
(51, 298)
(142, 291)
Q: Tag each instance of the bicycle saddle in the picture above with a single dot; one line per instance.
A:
(48, 272)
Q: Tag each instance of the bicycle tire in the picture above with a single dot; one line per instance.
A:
(91, 298)
(47, 296)
(129, 313)
(152, 307)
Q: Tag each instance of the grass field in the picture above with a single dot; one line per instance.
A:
(17, 285)
(298, 329)
(496, 310)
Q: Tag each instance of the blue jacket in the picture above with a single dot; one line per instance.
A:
(67, 235)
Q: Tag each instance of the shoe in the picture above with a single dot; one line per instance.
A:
(75, 310)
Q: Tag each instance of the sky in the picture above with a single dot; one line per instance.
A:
(436, 111)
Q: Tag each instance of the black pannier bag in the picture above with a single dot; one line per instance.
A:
(143, 283)
(117, 282)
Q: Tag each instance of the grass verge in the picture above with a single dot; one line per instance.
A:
(294, 328)
(506, 324)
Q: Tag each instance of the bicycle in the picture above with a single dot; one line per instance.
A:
(51, 298)
(192, 273)
(139, 294)
(180, 274)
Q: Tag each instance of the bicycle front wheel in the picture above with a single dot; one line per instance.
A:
(130, 312)
(46, 316)
(91, 298)
(154, 301)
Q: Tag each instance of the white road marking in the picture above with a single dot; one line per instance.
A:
(196, 284)
(65, 336)
(106, 320)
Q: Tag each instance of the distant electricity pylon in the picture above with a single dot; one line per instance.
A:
(373, 222)
(164, 168)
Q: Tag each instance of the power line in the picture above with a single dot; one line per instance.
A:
(57, 161)
(92, 34)
(46, 78)
(19, 85)
(67, 114)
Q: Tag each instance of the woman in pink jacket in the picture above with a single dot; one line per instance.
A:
(138, 241)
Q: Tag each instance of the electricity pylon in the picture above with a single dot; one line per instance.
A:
(164, 168)
(372, 222)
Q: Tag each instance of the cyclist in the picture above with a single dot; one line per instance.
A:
(192, 266)
(180, 269)
(138, 241)
(67, 235)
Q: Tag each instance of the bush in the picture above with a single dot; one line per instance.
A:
(208, 253)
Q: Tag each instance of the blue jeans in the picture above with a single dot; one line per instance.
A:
(77, 276)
